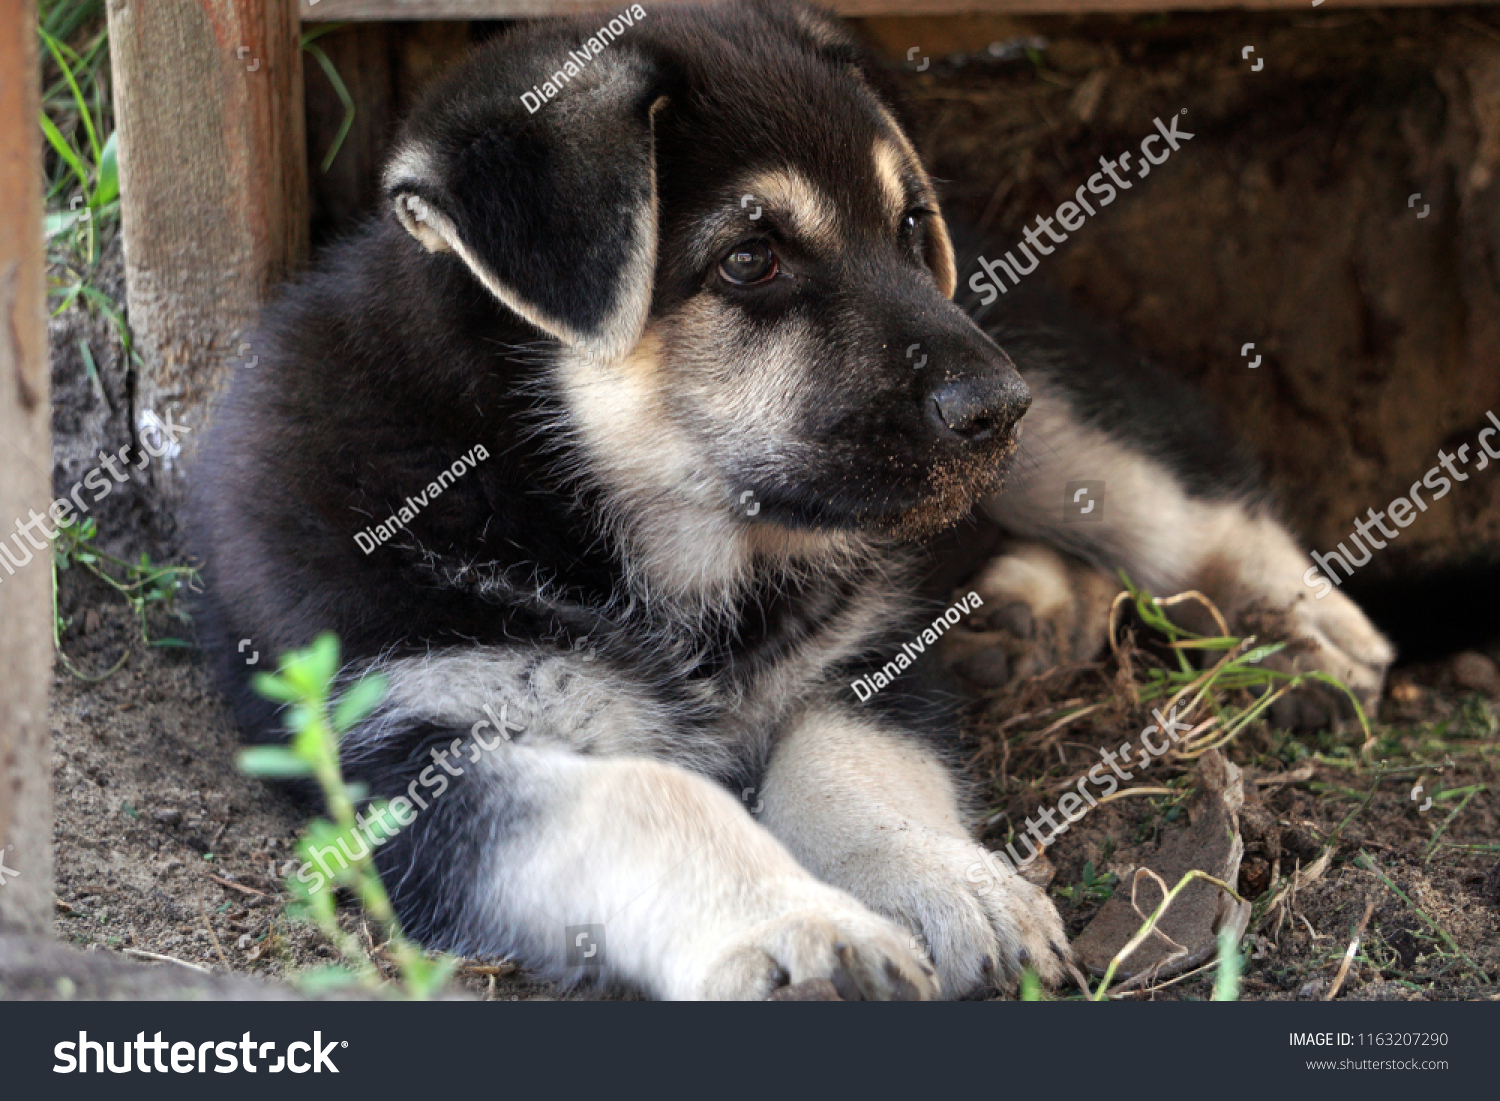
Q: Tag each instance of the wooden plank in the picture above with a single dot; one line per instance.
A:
(511, 9)
(213, 184)
(25, 491)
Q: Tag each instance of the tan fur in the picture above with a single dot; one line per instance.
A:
(643, 424)
(890, 167)
(809, 212)
(1167, 542)
(697, 899)
(870, 811)
(1052, 610)
(672, 508)
(941, 258)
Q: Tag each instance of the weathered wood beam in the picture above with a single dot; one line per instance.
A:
(25, 490)
(325, 10)
(213, 185)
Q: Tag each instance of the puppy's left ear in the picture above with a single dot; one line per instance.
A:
(551, 204)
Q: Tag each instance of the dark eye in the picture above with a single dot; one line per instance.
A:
(912, 230)
(748, 262)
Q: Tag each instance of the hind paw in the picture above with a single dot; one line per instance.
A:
(1040, 610)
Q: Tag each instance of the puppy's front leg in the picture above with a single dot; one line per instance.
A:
(696, 899)
(874, 812)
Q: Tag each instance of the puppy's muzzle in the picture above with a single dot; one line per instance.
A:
(981, 399)
(978, 408)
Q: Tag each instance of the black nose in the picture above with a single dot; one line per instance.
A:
(978, 407)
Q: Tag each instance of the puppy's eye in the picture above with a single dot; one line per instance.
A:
(913, 228)
(749, 262)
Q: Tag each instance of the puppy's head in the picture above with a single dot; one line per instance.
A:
(734, 242)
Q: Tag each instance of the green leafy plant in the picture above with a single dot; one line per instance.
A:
(145, 585)
(1094, 888)
(304, 683)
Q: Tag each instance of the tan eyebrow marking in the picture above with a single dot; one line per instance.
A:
(944, 263)
(807, 211)
(891, 170)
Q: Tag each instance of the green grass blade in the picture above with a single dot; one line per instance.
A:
(68, 296)
(344, 97)
(84, 114)
(65, 151)
(60, 18)
(1227, 981)
(107, 185)
(59, 221)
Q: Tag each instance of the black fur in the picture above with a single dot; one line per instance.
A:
(389, 362)
(385, 364)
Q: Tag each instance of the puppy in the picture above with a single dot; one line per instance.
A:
(608, 444)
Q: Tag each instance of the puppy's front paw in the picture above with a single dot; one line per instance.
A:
(980, 923)
(865, 956)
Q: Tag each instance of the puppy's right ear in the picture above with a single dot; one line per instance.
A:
(550, 203)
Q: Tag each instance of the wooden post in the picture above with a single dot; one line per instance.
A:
(213, 186)
(25, 485)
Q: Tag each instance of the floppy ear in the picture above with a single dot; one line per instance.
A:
(552, 207)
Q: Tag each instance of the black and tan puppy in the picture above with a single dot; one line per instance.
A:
(604, 444)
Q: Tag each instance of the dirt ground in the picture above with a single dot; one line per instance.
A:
(1304, 795)
(164, 847)
(1285, 222)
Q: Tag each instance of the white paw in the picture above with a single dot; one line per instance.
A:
(979, 923)
(822, 934)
